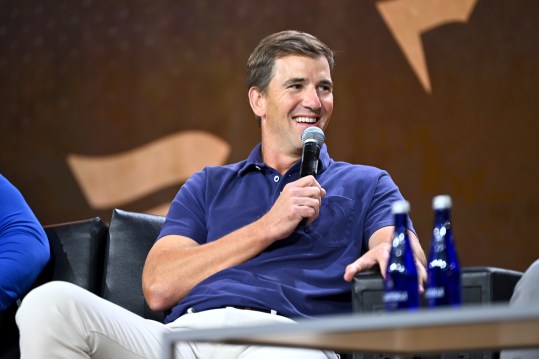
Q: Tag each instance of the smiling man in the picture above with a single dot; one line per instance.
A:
(246, 243)
(299, 95)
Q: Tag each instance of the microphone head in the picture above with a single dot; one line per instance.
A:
(313, 134)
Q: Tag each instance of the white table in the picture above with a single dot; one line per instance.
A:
(491, 327)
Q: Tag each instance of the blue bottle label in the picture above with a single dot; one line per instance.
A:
(435, 292)
(396, 297)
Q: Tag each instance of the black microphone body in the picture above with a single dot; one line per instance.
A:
(313, 138)
(309, 158)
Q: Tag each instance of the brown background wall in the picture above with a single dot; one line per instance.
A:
(102, 78)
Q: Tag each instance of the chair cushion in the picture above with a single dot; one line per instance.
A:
(76, 253)
(9, 334)
(131, 235)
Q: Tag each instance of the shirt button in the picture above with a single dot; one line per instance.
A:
(276, 178)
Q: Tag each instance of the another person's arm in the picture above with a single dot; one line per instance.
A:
(24, 247)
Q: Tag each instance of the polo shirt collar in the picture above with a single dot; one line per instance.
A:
(254, 161)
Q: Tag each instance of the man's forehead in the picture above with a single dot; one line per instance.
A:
(297, 66)
(299, 58)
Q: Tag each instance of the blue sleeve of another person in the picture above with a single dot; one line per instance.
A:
(24, 247)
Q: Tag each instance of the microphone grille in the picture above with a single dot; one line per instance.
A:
(313, 133)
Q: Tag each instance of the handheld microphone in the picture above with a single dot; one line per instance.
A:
(313, 138)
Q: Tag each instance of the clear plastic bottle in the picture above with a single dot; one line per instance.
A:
(443, 269)
(401, 284)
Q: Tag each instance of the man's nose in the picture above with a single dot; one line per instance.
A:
(311, 100)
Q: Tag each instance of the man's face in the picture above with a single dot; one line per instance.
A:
(299, 95)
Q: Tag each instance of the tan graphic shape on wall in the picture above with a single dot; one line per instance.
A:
(408, 19)
(114, 180)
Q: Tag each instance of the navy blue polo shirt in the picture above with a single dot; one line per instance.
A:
(302, 275)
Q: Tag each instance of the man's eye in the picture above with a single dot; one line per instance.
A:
(326, 89)
(295, 86)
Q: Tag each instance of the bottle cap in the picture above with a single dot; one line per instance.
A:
(441, 202)
(399, 207)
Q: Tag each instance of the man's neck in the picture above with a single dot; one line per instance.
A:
(279, 161)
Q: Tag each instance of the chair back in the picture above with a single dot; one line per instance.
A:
(131, 235)
(76, 253)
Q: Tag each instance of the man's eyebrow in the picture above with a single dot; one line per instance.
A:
(300, 80)
(326, 83)
(294, 80)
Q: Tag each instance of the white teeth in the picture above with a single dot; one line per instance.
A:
(305, 119)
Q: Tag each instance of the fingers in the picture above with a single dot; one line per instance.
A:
(305, 197)
(422, 276)
(383, 258)
(351, 270)
(298, 200)
(311, 183)
(379, 255)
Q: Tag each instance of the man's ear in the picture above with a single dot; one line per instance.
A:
(257, 101)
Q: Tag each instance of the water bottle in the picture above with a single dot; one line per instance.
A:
(443, 270)
(401, 284)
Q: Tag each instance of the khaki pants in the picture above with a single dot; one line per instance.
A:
(526, 293)
(62, 320)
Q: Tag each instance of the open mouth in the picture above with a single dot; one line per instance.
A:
(302, 119)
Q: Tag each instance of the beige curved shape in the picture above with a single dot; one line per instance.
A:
(408, 19)
(114, 180)
(161, 209)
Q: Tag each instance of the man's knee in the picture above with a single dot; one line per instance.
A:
(531, 276)
(527, 289)
(38, 304)
(533, 270)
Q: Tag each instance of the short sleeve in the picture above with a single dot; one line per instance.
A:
(187, 213)
(379, 212)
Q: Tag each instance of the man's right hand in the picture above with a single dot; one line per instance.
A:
(298, 200)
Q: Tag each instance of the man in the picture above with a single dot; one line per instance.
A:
(526, 293)
(24, 252)
(24, 247)
(247, 243)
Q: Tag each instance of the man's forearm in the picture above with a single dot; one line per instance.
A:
(176, 264)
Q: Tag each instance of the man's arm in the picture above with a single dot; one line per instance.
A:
(378, 254)
(24, 246)
(175, 264)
